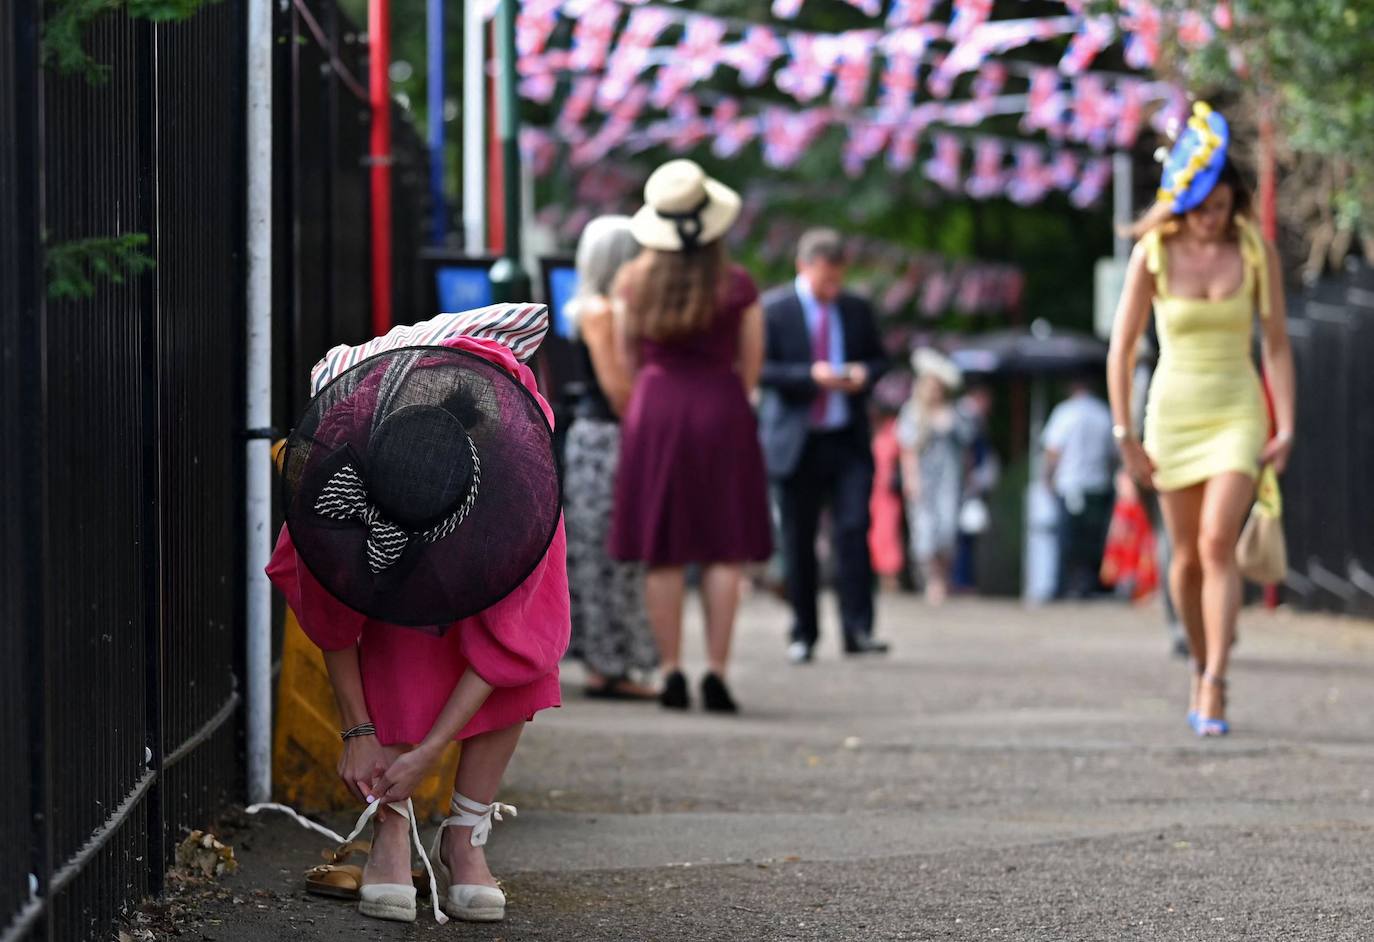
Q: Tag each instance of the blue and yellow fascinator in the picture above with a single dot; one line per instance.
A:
(1195, 162)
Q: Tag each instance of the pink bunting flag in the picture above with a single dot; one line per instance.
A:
(806, 75)
(689, 128)
(1045, 103)
(1030, 177)
(1063, 170)
(593, 34)
(786, 9)
(1095, 34)
(670, 81)
(866, 140)
(902, 50)
(1143, 24)
(1130, 112)
(753, 56)
(968, 15)
(787, 134)
(905, 13)
(1093, 111)
(867, 7)
(854, 66)
(578, 105)
(701, 46)
(943, 168)
(538, 150)
(731, 131)
(535, 22)
(992, 78)
(1195, 30)
(1092, 183)
(988, 179)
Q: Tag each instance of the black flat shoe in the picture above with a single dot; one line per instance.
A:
(674, 695)
(864, 646)
(715, 696)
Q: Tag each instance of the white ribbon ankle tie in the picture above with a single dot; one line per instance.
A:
(466, 813)
(406, 811)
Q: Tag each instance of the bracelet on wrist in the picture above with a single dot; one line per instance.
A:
(362, 729)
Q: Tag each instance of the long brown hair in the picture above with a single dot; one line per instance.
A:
(1162, 217)
(671, 294)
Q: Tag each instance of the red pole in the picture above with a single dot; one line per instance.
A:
(496, 176)
(379, 96)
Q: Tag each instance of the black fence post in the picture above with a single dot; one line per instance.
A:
(146, 99)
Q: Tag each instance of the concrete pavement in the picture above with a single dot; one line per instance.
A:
(1003, 774)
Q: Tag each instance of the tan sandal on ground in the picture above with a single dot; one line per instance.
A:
(338, 879)
(392, 901)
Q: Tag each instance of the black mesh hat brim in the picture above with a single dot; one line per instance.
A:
(505, 532)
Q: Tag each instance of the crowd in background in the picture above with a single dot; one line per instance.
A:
(720, 432)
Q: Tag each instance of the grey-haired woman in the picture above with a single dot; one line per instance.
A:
(610, 630)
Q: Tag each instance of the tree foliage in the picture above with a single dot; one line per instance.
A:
(73, 267)
(1312, 63)
(65, 23)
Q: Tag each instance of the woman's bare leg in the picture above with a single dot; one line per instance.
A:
(720, 587)
(1227, 501)
(480, 770)
(1183, 517)
(664, 589)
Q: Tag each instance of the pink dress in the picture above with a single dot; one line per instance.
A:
(408, 674)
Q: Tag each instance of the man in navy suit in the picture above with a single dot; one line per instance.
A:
(822, 355)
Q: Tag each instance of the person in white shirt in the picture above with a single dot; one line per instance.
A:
(1080, 457)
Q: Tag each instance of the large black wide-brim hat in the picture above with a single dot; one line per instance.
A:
(421, 486)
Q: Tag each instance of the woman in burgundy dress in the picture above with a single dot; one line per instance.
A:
(691, 485)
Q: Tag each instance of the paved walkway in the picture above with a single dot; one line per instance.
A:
(1004, 774)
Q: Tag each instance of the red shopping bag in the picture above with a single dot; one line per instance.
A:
(1129, 559)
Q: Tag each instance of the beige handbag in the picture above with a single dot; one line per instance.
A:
(1262, 554)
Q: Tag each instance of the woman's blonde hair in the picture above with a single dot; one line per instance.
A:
(1161, 215)
(603, 249)
(671, 294)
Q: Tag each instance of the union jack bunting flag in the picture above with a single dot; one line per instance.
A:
(805, 76)
(988, 179)
(943, 168)
(1094, 180)
(1030, 177)
(909, 13)
(753, 56)
(1095, 34)
(593, 34)
(520, 327)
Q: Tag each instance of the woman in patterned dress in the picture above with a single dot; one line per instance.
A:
(610, 630)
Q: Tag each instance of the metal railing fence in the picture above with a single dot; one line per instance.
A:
(121, 473)
(1328, 499)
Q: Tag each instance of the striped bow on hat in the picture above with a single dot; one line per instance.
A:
(521, 327)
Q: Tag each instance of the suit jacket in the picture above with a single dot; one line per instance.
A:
(788, 389)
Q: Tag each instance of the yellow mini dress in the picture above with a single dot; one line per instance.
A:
(1206, 413)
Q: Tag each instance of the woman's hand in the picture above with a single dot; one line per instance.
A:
(1137, 462)
(1277, 452)
(362, 760)
(404, 774)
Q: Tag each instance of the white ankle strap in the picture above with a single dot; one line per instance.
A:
(406, 810)
(466, 813)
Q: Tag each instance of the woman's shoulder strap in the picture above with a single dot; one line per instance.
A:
(1156, 258)
(1255, 255)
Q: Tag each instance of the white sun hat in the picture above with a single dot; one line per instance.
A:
(683, 208)
(930, 362)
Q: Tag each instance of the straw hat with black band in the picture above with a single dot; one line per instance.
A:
(684, 209)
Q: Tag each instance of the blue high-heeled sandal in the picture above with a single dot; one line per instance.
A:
(1209, 726)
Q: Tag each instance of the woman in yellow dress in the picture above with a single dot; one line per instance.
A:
(1204, 268)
